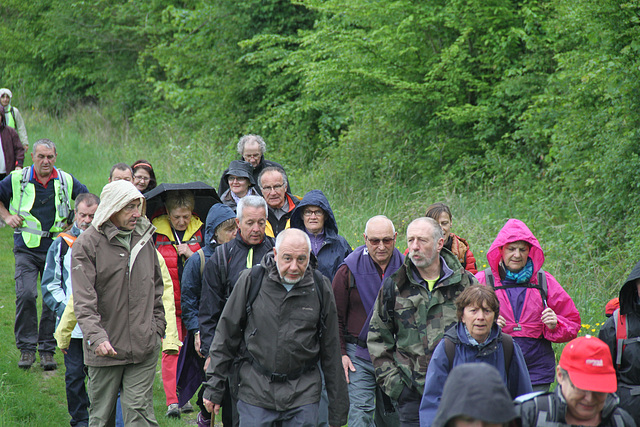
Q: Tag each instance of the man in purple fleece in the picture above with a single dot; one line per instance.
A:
(355, 287)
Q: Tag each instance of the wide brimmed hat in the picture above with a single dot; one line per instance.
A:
(588, 361)
(242, 169)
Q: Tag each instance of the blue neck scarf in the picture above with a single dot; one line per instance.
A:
(522, 276)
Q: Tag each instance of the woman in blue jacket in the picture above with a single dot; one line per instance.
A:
(475, 338)
(314, 216)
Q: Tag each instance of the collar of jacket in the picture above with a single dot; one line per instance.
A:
(458, 335)
(143, 228)
(448, 275)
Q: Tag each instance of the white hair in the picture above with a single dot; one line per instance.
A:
(251, 201)
(283, 234)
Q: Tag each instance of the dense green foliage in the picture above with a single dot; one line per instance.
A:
(535, 98)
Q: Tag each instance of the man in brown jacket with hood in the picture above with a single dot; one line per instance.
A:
(117, 289)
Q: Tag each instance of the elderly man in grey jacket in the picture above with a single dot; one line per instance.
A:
(278, 322)
(117, 289)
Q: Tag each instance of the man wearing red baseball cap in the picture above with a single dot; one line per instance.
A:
(585, 394)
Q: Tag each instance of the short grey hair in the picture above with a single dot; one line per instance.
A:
(437, 230)
(88, 199)
(283, 234)
(250, 138)
(47, 143)
(251, 201)
(281, 171)
(375, 218)
(120, 167)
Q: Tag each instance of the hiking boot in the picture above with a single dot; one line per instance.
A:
(27, 358)
(173, 411)
(202, 421)
(47, 362)
(187, 408)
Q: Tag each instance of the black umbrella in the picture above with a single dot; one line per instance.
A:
(205, 195)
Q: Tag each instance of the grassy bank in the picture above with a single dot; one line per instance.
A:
(88, 145)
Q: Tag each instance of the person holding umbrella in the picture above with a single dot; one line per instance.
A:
(178, 236)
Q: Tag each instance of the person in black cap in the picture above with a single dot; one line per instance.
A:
(474, 395)
(241, 183)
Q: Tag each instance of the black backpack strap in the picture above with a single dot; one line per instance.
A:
(542, 282)
(450, 351)
(388, 302)
(507, 349)
(317, 281)
(488, 277)
(257, 274)
(221, 254)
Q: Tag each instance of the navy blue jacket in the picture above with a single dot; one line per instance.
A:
(335, 247)
(191, 284)
(493, 354)
(215, 291)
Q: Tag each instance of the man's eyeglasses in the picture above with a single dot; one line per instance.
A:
(141, 178)
(386, 241)
(270, 189)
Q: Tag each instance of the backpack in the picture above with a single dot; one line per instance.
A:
(257, 274)
(541, 286)
(507, 348)
(622, 332)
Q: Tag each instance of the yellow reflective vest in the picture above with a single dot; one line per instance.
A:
(24, 195)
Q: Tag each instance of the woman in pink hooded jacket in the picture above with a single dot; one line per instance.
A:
(533, 319)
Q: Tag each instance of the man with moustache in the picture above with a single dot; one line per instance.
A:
(414, 307)
(117, 291)
(280, 335)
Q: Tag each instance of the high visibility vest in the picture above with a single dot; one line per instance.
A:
(24, 195)
(8, 114)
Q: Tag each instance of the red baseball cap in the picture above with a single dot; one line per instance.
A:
(588, 362)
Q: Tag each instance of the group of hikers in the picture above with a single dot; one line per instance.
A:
(268, 315)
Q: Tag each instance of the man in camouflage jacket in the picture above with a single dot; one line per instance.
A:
(404, 333)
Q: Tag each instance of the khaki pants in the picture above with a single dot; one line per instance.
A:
(136, 395)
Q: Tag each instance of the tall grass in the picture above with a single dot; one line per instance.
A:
(88, 145)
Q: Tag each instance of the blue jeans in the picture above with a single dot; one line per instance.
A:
(365, 409)
(77, 399)
(255, 416)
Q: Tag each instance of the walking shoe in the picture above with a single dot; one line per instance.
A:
(187, 408)
(173, 411)
(202, 421)
(47, 362)
(27, 358)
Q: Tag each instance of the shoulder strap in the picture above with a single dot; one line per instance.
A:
(450, 351)
(388, 301)
(620, 322)
(507, 348)
(200, 252)
(221, 254)
(542, 282)
(317, 282)
(488, 276)
(257, 273)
